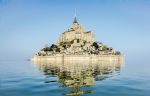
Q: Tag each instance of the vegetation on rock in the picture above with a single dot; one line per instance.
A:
(78, 47)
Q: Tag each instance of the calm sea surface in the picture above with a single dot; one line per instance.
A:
(76, 78)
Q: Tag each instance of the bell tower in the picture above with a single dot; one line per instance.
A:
(76, 26)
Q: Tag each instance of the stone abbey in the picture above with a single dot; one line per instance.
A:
(75, 43)
(76, 33)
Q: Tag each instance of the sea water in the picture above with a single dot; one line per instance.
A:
(75, 78)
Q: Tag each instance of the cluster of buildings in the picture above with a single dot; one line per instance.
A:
(75, 41)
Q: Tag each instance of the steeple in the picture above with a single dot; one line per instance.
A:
(75, 20)
(75, 17)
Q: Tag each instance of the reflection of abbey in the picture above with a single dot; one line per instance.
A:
(76, 33)
(75, 75)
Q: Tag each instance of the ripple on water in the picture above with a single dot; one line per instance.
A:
(26, 86)
(123, 86)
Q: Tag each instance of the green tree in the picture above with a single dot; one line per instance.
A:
(53, 46)
(95, 45)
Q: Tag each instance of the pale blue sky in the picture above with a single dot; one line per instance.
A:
(28, 25)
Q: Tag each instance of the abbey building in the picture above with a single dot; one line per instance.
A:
(76, 33)
(75, 41)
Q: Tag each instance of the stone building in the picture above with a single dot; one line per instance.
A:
(76, 32)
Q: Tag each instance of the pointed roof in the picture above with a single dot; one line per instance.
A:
(75, 17)
(75, 20)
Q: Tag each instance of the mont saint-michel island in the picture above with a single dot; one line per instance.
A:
(76, 44)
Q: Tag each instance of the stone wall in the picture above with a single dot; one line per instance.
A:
(80, 57)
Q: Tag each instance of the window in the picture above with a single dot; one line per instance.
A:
(78, 40)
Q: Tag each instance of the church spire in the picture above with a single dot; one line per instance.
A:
(75, 17)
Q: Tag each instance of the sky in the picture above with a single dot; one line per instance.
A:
(26, 26)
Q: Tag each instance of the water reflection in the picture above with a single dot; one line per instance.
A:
(77, 74)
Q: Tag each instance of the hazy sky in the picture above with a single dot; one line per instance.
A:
(28, 25)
